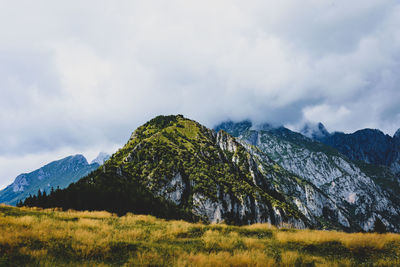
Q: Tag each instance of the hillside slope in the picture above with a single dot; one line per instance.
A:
(182, 167)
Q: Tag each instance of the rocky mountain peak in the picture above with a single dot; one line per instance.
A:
(322, 128)
(71, 162)
(79, 159)
(369, 132)
(314, 131)
(101, 158)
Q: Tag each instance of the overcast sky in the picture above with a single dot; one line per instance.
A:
(79, 77)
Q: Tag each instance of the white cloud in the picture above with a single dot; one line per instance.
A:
(330, 115)
(82, 75)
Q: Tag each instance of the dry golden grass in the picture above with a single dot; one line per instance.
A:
(260, 226)
(214, 240)
(50, 237)
(253, 243)
(241, 258)
(148, 258)
(355, 240)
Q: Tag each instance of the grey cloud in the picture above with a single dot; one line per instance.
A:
(77, 74)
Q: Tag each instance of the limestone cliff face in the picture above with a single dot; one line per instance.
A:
(338, 188)
(316, 205)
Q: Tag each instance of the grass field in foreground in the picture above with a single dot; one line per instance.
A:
(36, 237)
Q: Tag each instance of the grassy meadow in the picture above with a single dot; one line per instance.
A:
(36, 237)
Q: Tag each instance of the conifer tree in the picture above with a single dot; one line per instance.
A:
(379, 226)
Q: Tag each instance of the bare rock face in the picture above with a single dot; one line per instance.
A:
(174, 189)
(20, 183)
(338, 189)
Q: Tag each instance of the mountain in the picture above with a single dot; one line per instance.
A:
(101, 158)
(368, 145)
(352, 192)
(58, 173)
(173, 167)
(317, 131)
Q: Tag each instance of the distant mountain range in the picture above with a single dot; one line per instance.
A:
(57, 174)
(174, 167)
(367, 145)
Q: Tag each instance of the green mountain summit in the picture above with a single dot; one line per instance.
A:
(174, 167)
